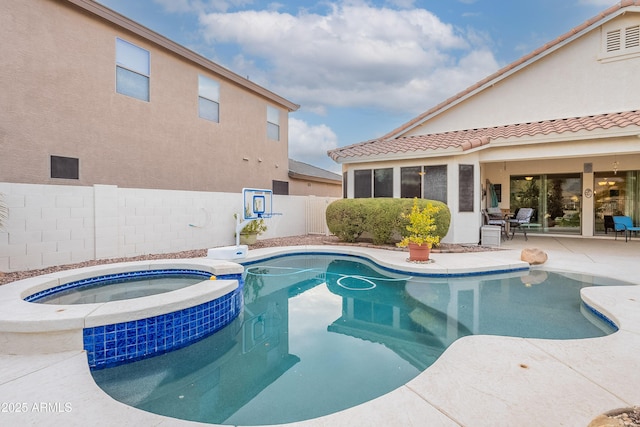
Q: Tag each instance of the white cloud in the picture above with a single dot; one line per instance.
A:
(200, 6)
(404, 4)
(355, 55)
(310, 143)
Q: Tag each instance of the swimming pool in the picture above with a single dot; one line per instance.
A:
(121, 286)
(323, 333)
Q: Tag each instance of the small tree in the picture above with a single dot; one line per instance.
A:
(554, 200)
(422, 226)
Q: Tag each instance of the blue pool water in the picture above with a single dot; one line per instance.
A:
(321, 334)
(120, 286)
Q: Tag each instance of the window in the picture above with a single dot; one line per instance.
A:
(344, 185)
(383, 182)
(362, 183)
(208, 99)
(280, 187)
(435, 183)
(556, 200)
(273, 123)
(410, 182)
(65, 167)
(498, 189)
(378, 182)
(466, 188)
(132, 70)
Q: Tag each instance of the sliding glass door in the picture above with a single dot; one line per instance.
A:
(556, 199)
(615, 193)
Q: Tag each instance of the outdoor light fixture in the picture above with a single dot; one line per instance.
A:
(528, 178)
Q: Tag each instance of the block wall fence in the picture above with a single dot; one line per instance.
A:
(52, 225)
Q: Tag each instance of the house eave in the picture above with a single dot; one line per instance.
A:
(513, 68)
(127, 24)
(421, 154)
(629, 131)
(294, 175)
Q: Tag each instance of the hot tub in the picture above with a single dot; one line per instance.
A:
(116, 332)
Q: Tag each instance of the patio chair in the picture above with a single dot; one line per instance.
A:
(521, 221)
(625, 224)
(608, 224)
(494, 216)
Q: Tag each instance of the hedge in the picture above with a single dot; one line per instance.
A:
(348, 219)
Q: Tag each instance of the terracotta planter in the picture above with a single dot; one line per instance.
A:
(419, 252)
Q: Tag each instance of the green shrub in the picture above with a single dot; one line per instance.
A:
(348, 219)
(383, 219)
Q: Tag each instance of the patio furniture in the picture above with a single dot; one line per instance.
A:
(608, 224)
(624, 223)
(523, 216)
(494, 216)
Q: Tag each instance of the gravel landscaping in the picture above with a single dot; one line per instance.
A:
(264, 243)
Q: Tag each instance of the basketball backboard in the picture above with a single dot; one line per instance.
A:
(258, 203)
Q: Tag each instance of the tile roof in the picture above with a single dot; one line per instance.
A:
(613, 10)
(464, 140)
(304, 170)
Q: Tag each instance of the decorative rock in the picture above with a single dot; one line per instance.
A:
(605, 421)
(533, 256)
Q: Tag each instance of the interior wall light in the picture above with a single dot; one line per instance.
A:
(528, 178)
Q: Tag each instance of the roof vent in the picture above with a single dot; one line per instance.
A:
(632, 37)
(613, 40)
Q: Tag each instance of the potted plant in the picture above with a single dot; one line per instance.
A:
(250, 232)
(421, 230)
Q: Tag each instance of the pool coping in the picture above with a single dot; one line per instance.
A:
(478, 380)
(31, 327)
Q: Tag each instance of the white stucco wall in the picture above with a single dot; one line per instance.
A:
(574, 80)
(465, 226)
(52, 225)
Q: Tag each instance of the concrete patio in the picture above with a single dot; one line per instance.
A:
(479, 381)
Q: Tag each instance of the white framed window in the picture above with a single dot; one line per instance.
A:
(208, 99)
(273, 123)
(132, 70)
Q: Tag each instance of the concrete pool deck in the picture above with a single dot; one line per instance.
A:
(478, 381)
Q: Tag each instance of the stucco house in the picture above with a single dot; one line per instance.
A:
(306, 179)
(117, 142)
(88, 97)
(557, 130)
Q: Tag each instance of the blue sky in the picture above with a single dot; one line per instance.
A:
(359, 68)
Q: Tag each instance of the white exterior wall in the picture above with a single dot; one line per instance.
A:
(54, 225)
(575, 80)
(465, 226)
(47, 225)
